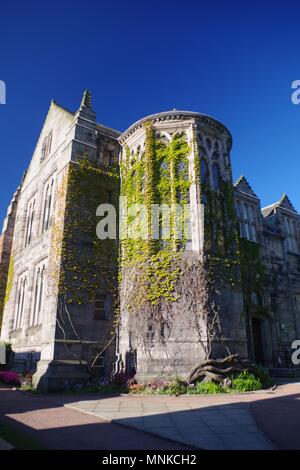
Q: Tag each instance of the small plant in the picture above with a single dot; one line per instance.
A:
(263, 376)
(206, 388)
(246, 382)
(136, 388)
(26, 384)
(177, 387)
(157, 385)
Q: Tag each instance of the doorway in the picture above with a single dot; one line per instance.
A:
(257, 338)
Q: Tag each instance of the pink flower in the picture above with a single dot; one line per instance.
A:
(9, 377)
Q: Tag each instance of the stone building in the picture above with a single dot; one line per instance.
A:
(55, 340)
(62, 337)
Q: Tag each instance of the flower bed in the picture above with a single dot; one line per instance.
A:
(10, 378)
(243, 382)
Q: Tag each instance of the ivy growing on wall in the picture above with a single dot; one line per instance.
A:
(157, 175)
(87, 263)
(6, 289)
(253, 273)
(10, 278)
(221, 234)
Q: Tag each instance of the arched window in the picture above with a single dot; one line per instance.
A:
(41, 297)
(37, 308)
(247, 216)
(48, 205)
(240, 219)
(46, 146)
(204, 171)
(246, 221)
(253, 223)
(35, 301)
(21, 299)
(216, 176)
(49, 143)
(29, 221)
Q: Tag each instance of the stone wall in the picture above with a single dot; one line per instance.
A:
(6, 241)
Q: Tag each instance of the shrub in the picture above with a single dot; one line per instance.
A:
(263, 376)
(206, 388)
(177, 387)
(246, 382)
(157, 385)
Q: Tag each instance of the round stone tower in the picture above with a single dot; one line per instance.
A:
(178, 233)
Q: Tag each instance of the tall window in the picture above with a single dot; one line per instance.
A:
(247, 221)
(240, 219)
(47, 146)
(252, 220)
(291, 235)
(216, 176)
(21, 299)
(100, 307)
(39, 288)
(204, 171)
(48, 205)
(29, 221)
(108, 157)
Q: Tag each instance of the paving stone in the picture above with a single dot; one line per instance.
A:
(214, 426)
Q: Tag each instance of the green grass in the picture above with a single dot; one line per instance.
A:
(18, 439)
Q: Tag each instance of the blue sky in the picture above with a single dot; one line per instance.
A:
(232, 60)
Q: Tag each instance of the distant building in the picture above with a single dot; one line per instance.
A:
(64, 337)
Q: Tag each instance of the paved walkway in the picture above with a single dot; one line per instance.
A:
(60, 428)
(260, 420)
(189, 420)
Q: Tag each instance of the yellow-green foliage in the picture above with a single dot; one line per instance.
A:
(159, 176)
(87, 263)
(10, 278)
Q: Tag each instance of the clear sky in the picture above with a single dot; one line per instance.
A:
(232, 60)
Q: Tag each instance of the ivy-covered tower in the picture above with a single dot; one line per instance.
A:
(180, 294)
